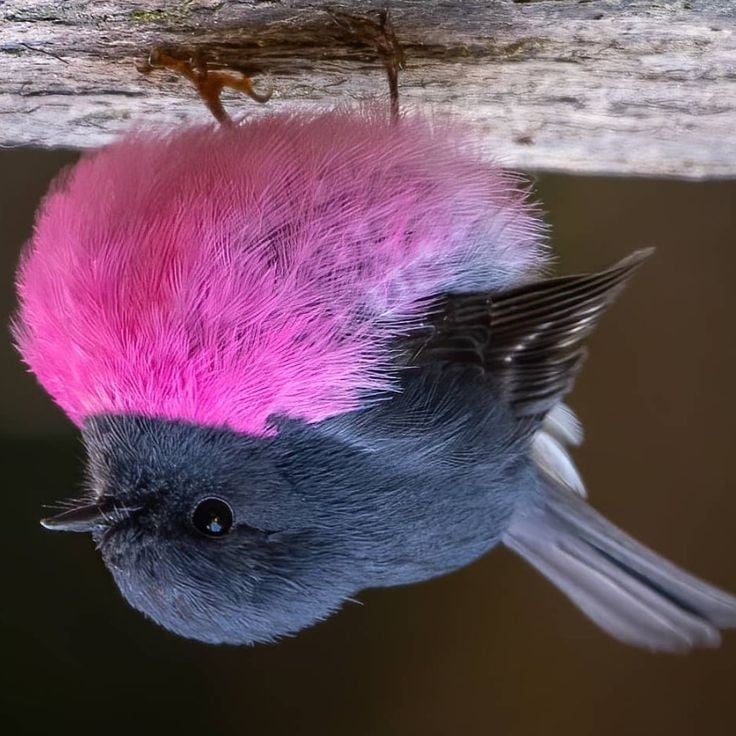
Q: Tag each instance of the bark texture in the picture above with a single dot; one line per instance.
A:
(635, 87)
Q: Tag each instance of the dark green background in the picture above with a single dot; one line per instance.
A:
(492, 649)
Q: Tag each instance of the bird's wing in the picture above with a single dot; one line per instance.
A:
(531, 339)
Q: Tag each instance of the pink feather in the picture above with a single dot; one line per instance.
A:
(223, 275)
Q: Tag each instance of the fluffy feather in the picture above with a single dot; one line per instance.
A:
(224, 275)
(560, 428)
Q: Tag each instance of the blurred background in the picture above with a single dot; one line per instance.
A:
(491, 649)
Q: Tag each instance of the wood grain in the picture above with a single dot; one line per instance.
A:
(630, 87)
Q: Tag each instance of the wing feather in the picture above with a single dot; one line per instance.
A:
(531, 339)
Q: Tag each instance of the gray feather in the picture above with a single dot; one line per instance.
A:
(530, 339)
(563, 424)
(554, 461)
(632, 593)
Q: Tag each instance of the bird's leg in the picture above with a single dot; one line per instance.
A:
(209, 83)
(379, 34)
(393, 58)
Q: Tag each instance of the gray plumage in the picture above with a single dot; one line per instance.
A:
(471, 452)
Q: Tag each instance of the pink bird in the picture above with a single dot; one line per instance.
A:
(311, 354)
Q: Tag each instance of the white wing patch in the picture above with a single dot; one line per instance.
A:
(560, 429)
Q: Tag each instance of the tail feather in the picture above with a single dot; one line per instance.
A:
(632, 593)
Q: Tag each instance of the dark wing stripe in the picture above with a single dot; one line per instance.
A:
(571, 300)
(530, 338)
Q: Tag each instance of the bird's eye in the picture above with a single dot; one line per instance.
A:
(212, 517)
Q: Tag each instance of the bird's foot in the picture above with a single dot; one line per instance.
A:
(376, 30)
(209, 82)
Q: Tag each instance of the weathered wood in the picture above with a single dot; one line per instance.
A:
(645, 87)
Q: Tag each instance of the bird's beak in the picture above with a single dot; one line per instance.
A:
(82, 519)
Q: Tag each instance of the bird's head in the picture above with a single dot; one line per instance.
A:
(205, 533)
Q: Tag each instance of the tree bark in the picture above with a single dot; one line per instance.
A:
(635, 87)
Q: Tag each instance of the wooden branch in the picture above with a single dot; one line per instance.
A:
(643, 87)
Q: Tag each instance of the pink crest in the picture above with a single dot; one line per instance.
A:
(222, 276)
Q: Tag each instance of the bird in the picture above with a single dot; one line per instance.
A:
(313, 353)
